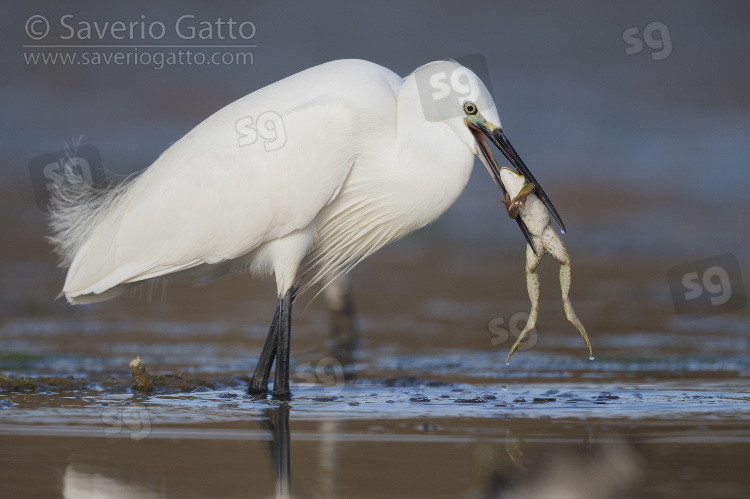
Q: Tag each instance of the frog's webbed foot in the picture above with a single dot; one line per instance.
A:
(519, 200)
(515, 346)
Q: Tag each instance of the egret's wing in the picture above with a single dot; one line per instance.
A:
(225, 187)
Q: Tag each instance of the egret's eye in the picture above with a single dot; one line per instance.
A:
(470, 108)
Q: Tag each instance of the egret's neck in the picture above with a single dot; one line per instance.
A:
(399, 183)
(433, 164)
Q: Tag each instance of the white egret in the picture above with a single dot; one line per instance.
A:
(303, 178)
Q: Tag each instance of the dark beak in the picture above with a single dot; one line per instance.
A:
(481, 128)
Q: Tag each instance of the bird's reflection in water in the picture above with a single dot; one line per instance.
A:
(509, 468)
(606, 470)
(85, 480)
(277, 423)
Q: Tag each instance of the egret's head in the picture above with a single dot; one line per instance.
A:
(444, 87)
(453, 94)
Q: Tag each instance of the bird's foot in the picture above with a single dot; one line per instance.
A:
(257, 387)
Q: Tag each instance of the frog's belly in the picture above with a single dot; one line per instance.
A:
(535, 215)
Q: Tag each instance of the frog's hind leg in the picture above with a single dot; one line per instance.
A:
(532, 286)
(557, 250)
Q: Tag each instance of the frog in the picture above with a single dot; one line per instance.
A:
(520, 201)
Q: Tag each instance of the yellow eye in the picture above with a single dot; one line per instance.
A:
(470, 108)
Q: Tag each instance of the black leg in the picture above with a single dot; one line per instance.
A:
(259, 383)
(281, 380)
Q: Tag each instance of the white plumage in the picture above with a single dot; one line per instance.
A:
(360, 167)
(358, 159)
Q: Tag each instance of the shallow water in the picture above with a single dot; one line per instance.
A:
(449, 423)
(372, 439)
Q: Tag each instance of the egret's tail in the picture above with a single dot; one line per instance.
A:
(76, 211)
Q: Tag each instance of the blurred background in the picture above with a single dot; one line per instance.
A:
(634, 116)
